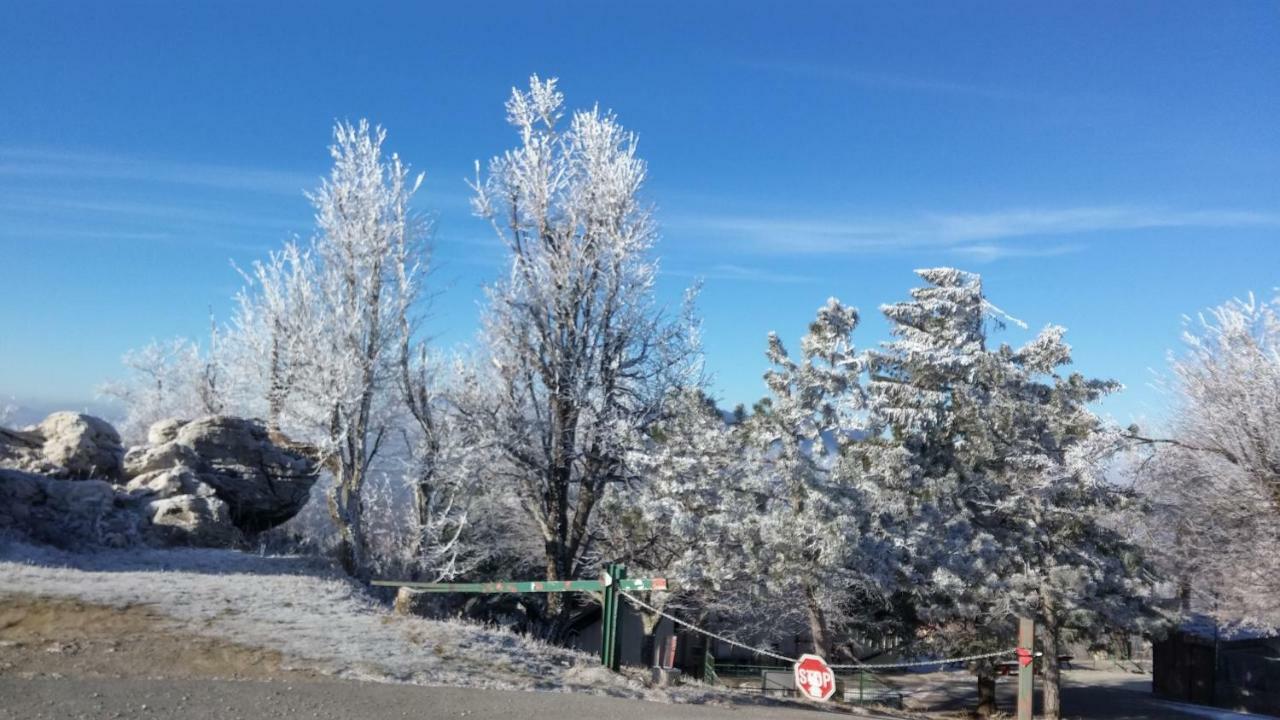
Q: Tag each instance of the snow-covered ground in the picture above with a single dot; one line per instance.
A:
(316, 618)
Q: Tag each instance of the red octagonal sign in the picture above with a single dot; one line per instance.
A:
(814, 678)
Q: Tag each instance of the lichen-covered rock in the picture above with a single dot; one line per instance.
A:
(197, 520)
(262, 483)
(68, 514)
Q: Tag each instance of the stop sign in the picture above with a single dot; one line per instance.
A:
(814, 678)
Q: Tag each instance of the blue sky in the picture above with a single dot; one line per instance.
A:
(1106, 166)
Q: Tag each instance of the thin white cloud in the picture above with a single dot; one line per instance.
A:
(741, 273)
(991, 252)
(977, 231)
(46, 207)
(892, 81)
(1022, 223)
(30, 163)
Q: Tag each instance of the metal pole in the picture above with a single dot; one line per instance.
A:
(615, 662)
(1026, 670)
(609, 619)
(606, 617)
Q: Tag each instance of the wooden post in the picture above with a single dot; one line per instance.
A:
(1026, 670)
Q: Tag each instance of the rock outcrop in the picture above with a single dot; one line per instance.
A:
(261, 483)
(64, 445)
(68, 514)
(82, 445)
(206, 482)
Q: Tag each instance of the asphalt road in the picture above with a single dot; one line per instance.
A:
(1129, 699)
(45, 698)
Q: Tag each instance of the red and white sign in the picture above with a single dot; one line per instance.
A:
(814, 678)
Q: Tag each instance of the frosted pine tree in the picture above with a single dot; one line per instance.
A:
(1082, 579)
(996, 469)
(804, 542)
(679, 515)
(932, 472)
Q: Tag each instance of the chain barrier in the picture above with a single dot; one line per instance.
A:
(855, 666)
(642, 604)
(922, 663)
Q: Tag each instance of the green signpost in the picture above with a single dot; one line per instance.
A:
(613, 579)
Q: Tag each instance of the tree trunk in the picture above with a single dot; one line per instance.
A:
(276, 387)
(1049, 637)
(986, 691)
(818, 630)
(557, 607)
(346, 511)
(648, 644)
(648, 647)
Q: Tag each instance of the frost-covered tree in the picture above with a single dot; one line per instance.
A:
(1214, 479)
(918, 394)
(579, 357)
(273, 331)
(170, 379)
(444, 456)
(812, 528)
(324, 324)
(679, 515)
(994, 464)
(1082, 578)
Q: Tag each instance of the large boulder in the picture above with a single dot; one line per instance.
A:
(262, 483)
(65, 513)
(83, 446)
(199, 520)
(66, 445)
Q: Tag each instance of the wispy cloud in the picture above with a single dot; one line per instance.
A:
(991, 252)
(975, 233)
(891, 81)
(741, 273)
(28, 163)
(14, 204)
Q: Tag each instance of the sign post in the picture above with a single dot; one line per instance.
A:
(611, 580)
(1026, 667)
(814, 678)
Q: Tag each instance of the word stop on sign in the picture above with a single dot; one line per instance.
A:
(814, 678)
